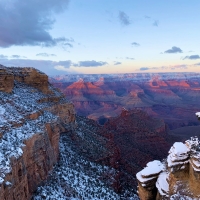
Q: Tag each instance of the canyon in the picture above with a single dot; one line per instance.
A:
(172, 97)
(90, 140)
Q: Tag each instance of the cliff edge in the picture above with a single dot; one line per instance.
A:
(32, 115)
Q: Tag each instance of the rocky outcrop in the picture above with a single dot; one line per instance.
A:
(29, 76)
(32, 116)
(177, 177)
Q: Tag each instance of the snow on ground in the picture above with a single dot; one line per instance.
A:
(2, 110)
(74, 176)
(162, 183)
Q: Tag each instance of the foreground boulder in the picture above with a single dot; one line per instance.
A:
(32, 116)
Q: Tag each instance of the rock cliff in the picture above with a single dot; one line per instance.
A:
(177, 177)
(32, 115)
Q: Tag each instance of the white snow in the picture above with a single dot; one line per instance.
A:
(162, 184)
(197, 114)
(150, 172)
(144, 179)
(154, 167)
(179, 150)
(178, 154)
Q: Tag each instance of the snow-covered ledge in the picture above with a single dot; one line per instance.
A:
(179, 172)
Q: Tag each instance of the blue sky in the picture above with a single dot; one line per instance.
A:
(100, 36)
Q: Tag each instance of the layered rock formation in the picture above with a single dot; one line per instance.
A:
(177, 177)
(172, 97)
(32, 116)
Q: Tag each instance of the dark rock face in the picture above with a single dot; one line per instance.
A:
(32, 116)
(138, 137)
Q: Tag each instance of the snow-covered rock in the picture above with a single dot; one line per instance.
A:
(177, 177)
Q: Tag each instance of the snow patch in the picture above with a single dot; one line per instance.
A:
(154, 167)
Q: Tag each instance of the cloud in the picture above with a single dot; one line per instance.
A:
(147, 17)
(144, 68)
(155, 23)
(130, 58)
(45, 54)
(68, 44)
(124, 18)
(65, 69)
(170, 67)
(192, 57)
(3, 56)
(29, 22)
(91, 63)
(197, 64)
(173, 67)
(135, 44)
(117, 63)
(16, 56)
(174, 50)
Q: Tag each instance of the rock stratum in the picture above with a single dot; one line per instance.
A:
(32, 115)
(177, 177)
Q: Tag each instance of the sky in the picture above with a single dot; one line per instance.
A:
(101, 36)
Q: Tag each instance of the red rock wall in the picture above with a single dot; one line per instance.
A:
(6, 80)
